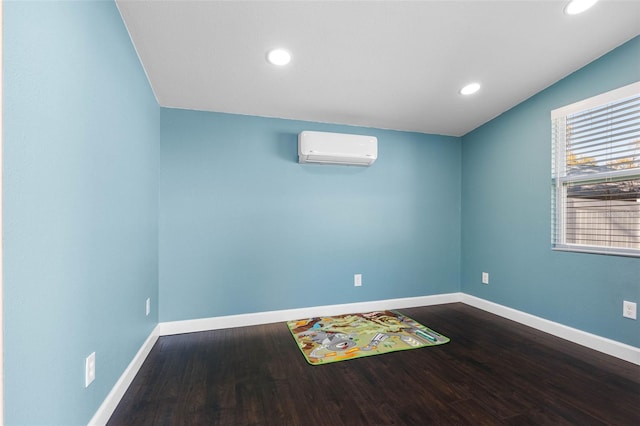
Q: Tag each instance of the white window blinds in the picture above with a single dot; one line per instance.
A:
(596, 174)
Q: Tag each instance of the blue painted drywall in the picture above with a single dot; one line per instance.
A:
(245, 228)
(506, 219)
(81, 158)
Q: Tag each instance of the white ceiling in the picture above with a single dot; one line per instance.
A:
(385, 64)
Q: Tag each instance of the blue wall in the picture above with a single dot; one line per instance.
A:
(245, 228)
(81, 156)
(506, 219)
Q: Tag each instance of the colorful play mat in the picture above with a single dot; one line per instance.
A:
(323, 340)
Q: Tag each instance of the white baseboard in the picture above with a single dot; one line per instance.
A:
(108, 406)
(602, 344)
(592, 341)
(216, 323)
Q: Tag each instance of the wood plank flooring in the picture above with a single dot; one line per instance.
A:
(493, 372)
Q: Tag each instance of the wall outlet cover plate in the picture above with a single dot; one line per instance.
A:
(89, 369)
(629, 310)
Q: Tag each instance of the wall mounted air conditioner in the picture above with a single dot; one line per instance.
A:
(337, 148)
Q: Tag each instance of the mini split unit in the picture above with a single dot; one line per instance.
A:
(337, 148)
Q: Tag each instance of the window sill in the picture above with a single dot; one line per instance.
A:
(598, 250)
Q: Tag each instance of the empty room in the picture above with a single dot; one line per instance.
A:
(320, 212)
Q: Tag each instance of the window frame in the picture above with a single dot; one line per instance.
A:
(561, 178)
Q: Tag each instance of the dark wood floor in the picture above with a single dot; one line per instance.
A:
(494, 371)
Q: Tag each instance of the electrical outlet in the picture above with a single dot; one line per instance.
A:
(629, 310)
(89, 369)
(485, 278)
(357, 280)
(148, 306)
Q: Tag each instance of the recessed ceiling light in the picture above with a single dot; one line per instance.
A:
(279, 57)
(578, 6)
(470, 89)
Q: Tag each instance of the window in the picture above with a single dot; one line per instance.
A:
(596, 174)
